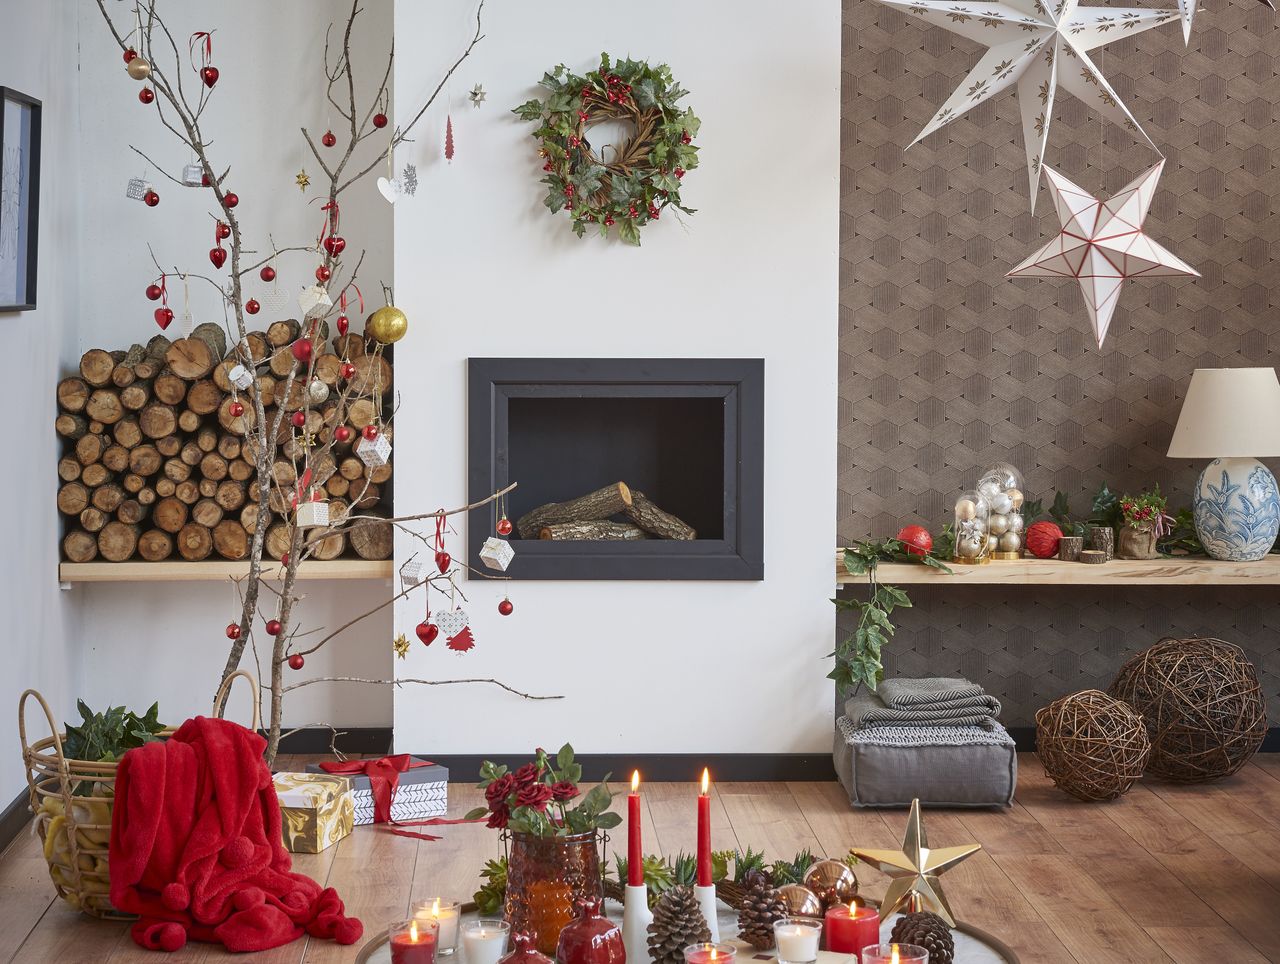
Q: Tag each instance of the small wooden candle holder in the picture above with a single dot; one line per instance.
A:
(1069, 548)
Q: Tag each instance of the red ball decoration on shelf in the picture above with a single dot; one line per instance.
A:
(323, 274)
(299, 419)
(327, 139)
(370, 433)
(504, 526)
(379, 120)
(302, 350)
(347, 370)
(146, 95)
(274, 627)
(235, 409)
(252, 306)
(342, 433)
(154, 292)
(1042, 539)
(210, 76)
(130, 54)
(218, 256)
(296, 661)
(163, 317)
(267, 273)
(505, 608)
(915, 540)
(151, 198)
(427, 632)
(231, 199)
(233, 630)
(222, 231)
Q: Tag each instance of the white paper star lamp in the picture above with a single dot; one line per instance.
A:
(1039, 49)
(1102, 244)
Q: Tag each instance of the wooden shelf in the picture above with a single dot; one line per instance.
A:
(1054, 572)
(219, 570)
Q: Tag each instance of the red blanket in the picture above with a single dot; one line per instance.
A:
(196, 848)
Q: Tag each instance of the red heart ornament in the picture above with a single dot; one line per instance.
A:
(163, 317)
(442, 560)
(427, 632)
(343, 324)
(209, 75)
(334, 245)
(218, 256)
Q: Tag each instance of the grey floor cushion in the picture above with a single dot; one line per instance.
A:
(944, 766)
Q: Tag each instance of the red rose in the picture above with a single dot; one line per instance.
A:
(534, 796)
(497, 791)
(527, 774)
(498, 819)
(564, 790)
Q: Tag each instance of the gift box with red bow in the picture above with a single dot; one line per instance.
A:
(397, 789)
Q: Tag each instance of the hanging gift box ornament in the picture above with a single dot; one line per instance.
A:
(193, 175)
(457, 634)
(497, 553)
(312, 514)
(411, 573)
(376, 452)
(137, 188)
(240, 377)
(314, 301)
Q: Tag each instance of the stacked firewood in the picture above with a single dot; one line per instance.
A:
(614, 513)
(159, 457)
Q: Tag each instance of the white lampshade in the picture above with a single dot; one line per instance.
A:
(1229, 413)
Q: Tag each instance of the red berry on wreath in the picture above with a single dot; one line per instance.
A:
(299, 419)
(301, 350)
(252, 306)
(504, 526)
(267, 273)
(328, 139)
(685, 138)
(130, 54)
(296, 661)
(505, 608)
(146, 95)
(274, 627)
(343, 323)
(235, 409)
(370, 433)
(653, 211)
(379, 120)
(342, 433)
(547, 166)
(609, 221)
(323, 274)
(1043, 539)
(427, 632)
(347, 370)
(915, 540)
(233, 630)
(679, 172)
(231, 199)
(154, 292)
(151, 199)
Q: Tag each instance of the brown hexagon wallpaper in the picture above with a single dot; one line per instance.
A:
(946, 366)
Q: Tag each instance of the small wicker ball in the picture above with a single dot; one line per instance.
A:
(1043, 539)
(1091, 746)
(1202, 704)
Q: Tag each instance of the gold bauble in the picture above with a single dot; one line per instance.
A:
(1016, 497)
(966, 509)
(387, 325)
(833, 881)
(801, 901)
(139, 68)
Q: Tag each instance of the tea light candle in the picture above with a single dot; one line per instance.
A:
(797, 939)
(710, 953)
(413, 941)
(446, 914)
(895, 954)
(485, 940)
(851, 927)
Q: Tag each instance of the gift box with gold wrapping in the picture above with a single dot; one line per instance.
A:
(316, 810)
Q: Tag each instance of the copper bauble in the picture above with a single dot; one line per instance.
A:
(801, 901)
(387, 325)
(833, 881)
(139, 68)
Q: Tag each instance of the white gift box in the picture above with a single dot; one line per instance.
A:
(411, 572)
(312, 514)
(422, 792)
(497, 553)
(374, 453)
(240, 377)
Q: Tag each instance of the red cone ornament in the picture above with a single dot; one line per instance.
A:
(343, 324)
(210, 76)
(443, 560)
(218, 256)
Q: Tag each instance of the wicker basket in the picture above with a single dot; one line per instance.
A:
(75, 827)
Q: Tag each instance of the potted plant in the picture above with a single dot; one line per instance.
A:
(1143, 522)
(554, 859)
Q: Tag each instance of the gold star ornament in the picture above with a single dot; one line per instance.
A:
(302, 180)
(914, 870)
(400, 645)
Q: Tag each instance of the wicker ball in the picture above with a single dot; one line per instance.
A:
(1092, 746)
(1202, 704)
(1043, 539)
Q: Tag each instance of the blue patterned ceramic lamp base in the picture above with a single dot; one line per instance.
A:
(1237, 509)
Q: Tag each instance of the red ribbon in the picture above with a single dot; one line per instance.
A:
(207, 37)
(304, 484)
(164, 292)
(384, 779)
(330, 224)
(440, 530)
(358, 295)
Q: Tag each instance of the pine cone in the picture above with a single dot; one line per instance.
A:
(929, 931)
(677, 923)
(760, 908)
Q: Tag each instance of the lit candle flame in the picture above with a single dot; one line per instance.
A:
(635, 780)
(435, 908)
(853, 907)
(713, 950)
(893, 949)
(706, 780)
(413, 931)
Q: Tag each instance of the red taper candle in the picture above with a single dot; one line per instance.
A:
(635, 854)
(704, 832)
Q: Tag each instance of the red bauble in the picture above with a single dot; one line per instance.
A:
(129, 54)
(915, 540)
(231, 199)
(323, 274)
(154, 292)
(163, 317)
(370, 433)
(505, 608)
(443, 560)
(504, 526)
(273, 627)
(284, 559)
(334, 245)
(379, 120)
(427, 632)
(209, 75)
(343, 323)
(233, 630)
(1042, 539)
(222, 231)
(327, 139)
(204, 180)
(342, 433)
(347, 370)
(299, 419)
(301, 350)
(218, 256)
(252, 306)
(146, 95)
(296, 661)
(151, 199)
(235, 409)
(267, 273)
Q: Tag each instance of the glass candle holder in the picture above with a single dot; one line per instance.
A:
(972, 529)
(447, 914)
(413, 941)
(797, 939)
(709, 952)
(1001, 486)
(895, 954)
(851, 927)
(484, 941)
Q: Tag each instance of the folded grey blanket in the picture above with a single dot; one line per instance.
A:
(868, 709)
(905, 693)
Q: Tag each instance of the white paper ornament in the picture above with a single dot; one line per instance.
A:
(497, 553)
(193, 175)
(451, 621)
(375, 453)
(240, 377)
(389, 189)
(314, 301)
(312, 514)
(411, 572)
(136, 188)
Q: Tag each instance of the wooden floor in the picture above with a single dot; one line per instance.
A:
(1189, 874)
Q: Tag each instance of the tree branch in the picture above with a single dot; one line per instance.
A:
(421, 682)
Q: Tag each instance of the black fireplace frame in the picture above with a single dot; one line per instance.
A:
(493, 382)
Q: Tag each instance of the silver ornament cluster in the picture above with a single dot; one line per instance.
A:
(1001, 488)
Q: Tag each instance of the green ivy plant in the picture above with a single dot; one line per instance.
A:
(106, 737)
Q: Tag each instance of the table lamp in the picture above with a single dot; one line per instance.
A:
(1232, 416)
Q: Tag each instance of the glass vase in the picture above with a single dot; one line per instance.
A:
(1001, 486)
(546, 877)
(972, 529)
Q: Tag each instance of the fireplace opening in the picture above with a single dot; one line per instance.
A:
(626, 468)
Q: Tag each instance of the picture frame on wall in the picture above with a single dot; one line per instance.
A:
(19, 198)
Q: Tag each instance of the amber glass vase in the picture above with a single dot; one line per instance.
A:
(546, 876)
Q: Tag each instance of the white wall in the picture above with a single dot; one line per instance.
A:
(484, 271)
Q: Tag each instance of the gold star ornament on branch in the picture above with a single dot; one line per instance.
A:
(1038, 49)
(914, 870)
(401, 645)
(302, 180)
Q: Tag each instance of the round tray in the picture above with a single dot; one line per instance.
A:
(973, 945)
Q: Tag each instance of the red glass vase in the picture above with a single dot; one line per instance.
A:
(524, 951)
(591, 939)
(546, 877)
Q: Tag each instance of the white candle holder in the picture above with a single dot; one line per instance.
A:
(707, 904)
(636, 918)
